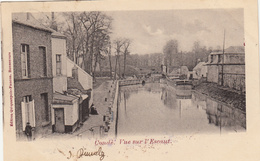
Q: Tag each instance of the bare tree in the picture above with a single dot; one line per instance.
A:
(118, 45)
(97, 26)
(74, 35)
(126, 45)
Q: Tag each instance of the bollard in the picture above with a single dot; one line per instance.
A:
(105, 99)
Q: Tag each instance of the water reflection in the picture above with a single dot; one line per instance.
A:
(160, 109)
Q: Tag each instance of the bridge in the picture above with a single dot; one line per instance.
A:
(131, 82)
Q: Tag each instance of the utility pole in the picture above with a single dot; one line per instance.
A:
(222, 74)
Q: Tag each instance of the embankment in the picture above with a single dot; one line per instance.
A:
(231, 97)
(112, 132)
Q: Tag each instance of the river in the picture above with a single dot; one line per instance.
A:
(159, 109)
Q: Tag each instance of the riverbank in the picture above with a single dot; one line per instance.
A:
(229, 96)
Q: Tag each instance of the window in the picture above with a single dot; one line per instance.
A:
(25, 61)
(211, 58)
(219, 58)
(28, 112)
(58, 64)
(44, 99)
(42, 51)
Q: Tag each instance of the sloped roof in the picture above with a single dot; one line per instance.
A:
(231, 50)
(74, 84)
(59, 98)
(235, 49)
(27, 19)
(57, 34)
(199, 65)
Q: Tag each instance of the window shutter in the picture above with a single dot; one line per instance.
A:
(33, 108)
(32, 113)
(23, 115)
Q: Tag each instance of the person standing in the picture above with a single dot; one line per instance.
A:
(28, 131)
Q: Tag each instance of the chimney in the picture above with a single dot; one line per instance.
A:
(53, 22)
(27, 16)
(75, 73)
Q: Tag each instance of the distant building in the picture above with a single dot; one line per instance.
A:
(200, 70)
(233, 68)
(184, 70)
(32, 75)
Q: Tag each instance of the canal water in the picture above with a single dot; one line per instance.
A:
(159, 109)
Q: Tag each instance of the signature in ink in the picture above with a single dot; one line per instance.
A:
(82, 152)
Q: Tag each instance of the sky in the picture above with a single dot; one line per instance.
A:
(150, 30)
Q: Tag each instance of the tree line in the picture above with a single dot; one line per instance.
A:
(90, 46)
(89, 43)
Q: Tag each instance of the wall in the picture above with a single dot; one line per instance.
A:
(70, 113)
(220, 114)
(36, 84)
(84, 78)
(59, 81)
(233, 70)
(213, 73)
(34, 38)
(34, 87)
(234, 77)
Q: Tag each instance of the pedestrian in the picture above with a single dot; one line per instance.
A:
(28, 131)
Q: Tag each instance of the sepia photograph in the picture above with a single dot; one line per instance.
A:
(93, 74)
(104, 83)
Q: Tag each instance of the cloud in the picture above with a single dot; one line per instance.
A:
(196, 26)
(150, 32)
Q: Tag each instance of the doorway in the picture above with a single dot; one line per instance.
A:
(59, 120)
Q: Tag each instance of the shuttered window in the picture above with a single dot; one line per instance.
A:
(28, 111)
(25, 61)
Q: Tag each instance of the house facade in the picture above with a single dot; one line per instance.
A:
(32, 76)
(233, 68)
(71, 89)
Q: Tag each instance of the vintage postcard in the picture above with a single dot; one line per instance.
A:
(130, 80)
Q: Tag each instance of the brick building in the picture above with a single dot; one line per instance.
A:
(32, 75)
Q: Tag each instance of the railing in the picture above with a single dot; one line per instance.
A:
(130, 82)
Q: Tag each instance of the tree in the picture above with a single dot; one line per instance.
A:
(170, 51)
(118, 45)
(126, 52)
(195, 49)
(74, 35)
(97, 27)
